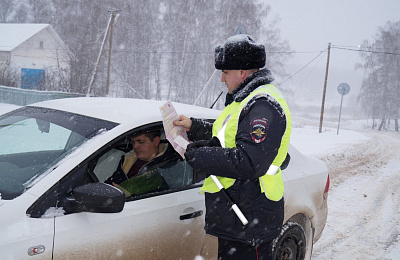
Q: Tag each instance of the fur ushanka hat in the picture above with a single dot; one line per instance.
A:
(240, 52)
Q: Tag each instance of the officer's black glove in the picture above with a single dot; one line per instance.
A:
(192, 148)
(197, 144)
(189, 155)
(212, 142)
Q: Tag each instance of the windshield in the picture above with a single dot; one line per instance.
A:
(34, 139)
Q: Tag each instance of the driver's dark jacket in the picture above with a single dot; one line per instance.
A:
(265, 216)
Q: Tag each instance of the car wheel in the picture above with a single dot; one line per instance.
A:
(291, 243)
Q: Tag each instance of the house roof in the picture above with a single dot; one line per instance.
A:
(13, 34)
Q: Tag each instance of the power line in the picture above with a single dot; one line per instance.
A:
(302, 67)
(340, 47)
(360, 50)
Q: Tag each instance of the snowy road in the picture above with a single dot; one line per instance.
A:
(364, 213)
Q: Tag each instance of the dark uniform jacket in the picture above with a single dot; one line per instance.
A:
(245, 163)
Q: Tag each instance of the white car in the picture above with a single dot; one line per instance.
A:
(55, 156)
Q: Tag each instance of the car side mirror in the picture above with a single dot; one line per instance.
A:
(98, 197)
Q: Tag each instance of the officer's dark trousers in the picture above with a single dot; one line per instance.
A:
(232, 250)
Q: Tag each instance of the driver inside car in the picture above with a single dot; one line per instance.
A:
(137, 172)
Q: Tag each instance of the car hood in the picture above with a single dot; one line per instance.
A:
(17, 206)
(5, 216)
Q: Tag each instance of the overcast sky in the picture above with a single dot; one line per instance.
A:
(310, 25)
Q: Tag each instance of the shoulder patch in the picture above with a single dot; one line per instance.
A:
(259, 129)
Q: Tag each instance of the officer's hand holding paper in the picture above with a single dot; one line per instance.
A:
(176, 135)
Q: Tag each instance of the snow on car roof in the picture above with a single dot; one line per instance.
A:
(5, 108)
(122, 110)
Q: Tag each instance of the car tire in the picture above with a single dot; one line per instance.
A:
(291, 243)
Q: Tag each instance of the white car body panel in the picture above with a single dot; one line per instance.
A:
(304, 190)
(150, 218)
(19, 232)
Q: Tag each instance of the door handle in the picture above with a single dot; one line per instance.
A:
(191, 215)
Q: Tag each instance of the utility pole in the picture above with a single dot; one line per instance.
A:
(324, 93)
(113, 20)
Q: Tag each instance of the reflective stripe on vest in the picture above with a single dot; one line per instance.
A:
(225, 128)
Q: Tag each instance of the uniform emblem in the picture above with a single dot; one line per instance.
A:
(259, 129)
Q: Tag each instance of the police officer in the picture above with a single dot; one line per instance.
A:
(245, 148)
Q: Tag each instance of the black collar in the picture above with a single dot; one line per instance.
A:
(252, 82)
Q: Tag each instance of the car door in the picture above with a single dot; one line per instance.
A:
(162, 224)
(158, 227)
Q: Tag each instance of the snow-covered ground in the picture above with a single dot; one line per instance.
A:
(364, 165)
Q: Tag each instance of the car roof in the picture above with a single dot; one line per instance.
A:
(123, 110)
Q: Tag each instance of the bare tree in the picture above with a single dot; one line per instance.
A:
(380, 90)
(6, 8)
(22, 12)
(42, 11)
(8, 77)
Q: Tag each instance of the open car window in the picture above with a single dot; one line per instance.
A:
(172, 173)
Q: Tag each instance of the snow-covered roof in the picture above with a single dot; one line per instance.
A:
(13, 34)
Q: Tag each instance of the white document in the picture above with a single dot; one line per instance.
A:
(176, 135)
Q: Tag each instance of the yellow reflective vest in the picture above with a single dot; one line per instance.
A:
(225, 128)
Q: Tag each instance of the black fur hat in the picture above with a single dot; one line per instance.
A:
(240, 52)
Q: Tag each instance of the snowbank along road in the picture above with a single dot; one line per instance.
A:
(364, 213)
